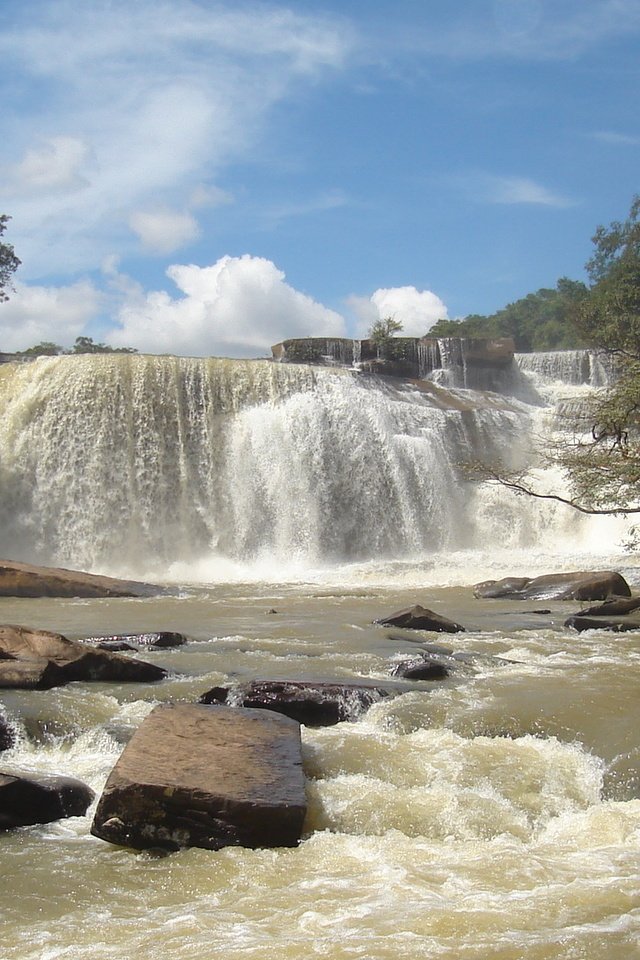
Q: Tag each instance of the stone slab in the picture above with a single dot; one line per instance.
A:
(203, 776)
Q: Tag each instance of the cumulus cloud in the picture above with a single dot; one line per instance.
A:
(239, 307)
(417, 310)
(164, 231)
(55, 314)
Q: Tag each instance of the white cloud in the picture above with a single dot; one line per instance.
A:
(158, 96)
(616, 139)
(523, 190)
(510, 190)
(417, 310)
(239, 306)
(55, 314)
(164, 231)
(58, 163)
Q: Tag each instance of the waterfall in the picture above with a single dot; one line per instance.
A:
(128, 463)
(568, 366)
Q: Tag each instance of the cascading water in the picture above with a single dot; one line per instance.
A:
(131, 460)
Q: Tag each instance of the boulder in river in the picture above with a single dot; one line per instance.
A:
(39, 659)
(597, 585)
(419, 618)
(27, 798)
(313, 703)
(28, 580)
(619, 607)
(200, 776)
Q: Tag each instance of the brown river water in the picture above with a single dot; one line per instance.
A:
(491, 816)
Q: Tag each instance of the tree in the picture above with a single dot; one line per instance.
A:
(9, 263)
(602, 462)
(543, 320)
(87, 345)
(43, 349)
(381, 334)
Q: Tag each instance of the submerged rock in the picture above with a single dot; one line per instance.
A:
(438, 664)
(419, 618)
(39, 659)
(580, 623)
(130, 641)
(597, 585)
(27, 798)
(27, 580)
(200, 776)
(313, 703)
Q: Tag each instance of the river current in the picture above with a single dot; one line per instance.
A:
(491, 816)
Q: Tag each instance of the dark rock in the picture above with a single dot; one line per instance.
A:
(612, 608)
(116, 646)
(159, 639)
(42, 659)
(316, 704)
(27, 798)
(207, 777)
(27, 580)
(428, 667)
(580, 623)
(419, 618)
(7, 738)
(556, 586)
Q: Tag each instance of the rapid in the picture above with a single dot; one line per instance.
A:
(491, 816)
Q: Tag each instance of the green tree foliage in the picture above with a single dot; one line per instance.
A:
(82, 345)
(381, 334)
(87, 345)
(9, 263)
(43, 349)
(544, 320)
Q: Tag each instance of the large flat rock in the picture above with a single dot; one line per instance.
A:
(27, 580)
(40, 659)
(202, 776)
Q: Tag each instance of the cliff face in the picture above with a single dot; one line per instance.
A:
(407, 357)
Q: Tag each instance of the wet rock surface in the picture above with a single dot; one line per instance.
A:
(40, 659)
(313, 703)
(27, 798)
(196, 775)
(598, 585)
(620, 625)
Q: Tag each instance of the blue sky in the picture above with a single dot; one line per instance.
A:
(209, 178)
